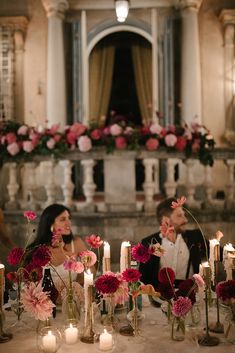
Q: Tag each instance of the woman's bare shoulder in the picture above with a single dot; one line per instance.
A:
(79, 244)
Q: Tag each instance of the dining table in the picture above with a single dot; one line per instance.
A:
(154, 334)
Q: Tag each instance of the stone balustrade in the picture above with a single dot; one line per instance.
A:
(38, 183)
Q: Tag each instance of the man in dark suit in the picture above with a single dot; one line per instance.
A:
(184, 249)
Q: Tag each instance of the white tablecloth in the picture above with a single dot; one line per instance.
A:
(155, 337)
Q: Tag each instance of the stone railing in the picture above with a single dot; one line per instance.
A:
(40, 182)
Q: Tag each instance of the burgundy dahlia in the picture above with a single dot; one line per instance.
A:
(131, 275)
(107, 284)
(140, 253)
(166, 275)
(166, 290)
(226, 290)
(15, 256)
(41, 256)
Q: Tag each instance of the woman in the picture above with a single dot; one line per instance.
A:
(56, 218)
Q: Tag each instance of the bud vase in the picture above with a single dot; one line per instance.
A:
(230, 324)
(178, 328)
(109, 318)
(70, 306)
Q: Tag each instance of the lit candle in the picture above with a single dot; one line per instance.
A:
(49, 343)
(106, 341)
(125, 257)
(106, 250)
(88, 278)
(2, 268)
(71, 334)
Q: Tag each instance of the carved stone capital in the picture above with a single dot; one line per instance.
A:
(16, 23)
(189, 4)
(227, 17)
(55, 8)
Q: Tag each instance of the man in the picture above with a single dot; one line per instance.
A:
(184, 249)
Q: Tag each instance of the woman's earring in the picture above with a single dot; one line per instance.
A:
(52, 229)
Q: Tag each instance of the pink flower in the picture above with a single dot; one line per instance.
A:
(115, 130)
(140, 253)
(56, 239)
(84, 144)
(199, 280)
(131, 275)
(10, 137)
(170, 140)
(166, 228)
(88, 258)
(51, 143)
(128, 130)
(152, 144)
(196, 146)
(107, 283)
(181, 143)
(94, 241)
(166, 275)
(121, 295)
(30, 215)
(96, 134)
(15, 256)
(179, 202)
(13, 148)
(181, 306)
(120, 143)
(34, 138)
(156, 250)
(155, 128)
(28, 146)
(78, 129)
(73, 265)
(23, 130)
(36, 302)
(71, 137)
(54, 129)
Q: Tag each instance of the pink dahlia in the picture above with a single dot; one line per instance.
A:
(73, 265)
(131, 275)
(107, 283)
(94, 241)
(181, 306)
(166, 275)
(37, 302)
(15, 256)
(199, 280)
(30, 215)
(88, 258)
(140, 253)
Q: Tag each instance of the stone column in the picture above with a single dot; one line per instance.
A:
(191, 68)
(56, 88)
(227, 18)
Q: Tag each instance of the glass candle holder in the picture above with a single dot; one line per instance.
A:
(49, 339)
(71, 331)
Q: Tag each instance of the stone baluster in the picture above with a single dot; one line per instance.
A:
(89, 186)
(12, 186)
(50, 187)
(230, 187)
(149, 184)
(170, 184)
(190, 184)
(67, 186)
(30, 172)
(208, 186)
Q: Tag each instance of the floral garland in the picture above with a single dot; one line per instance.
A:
(20, 141)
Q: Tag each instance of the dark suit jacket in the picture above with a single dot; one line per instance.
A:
(197, 254)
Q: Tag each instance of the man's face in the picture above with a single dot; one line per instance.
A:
(178, 220)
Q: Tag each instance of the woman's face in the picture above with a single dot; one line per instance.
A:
(62, 223)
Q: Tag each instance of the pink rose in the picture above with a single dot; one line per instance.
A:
(78, 129)
(115, 130)
(22, 130)
(155, 128)
(152, 144)
(13, 148)
(57, 137)
(34, 137)
(71, 138)
(128, 130)
(54, 129)
(106, 131)
(96, 134)
(120, 143)
(181, 143)
(51, 144)
(84, 144)
(170, 140)
(10, 137)
(28, 146)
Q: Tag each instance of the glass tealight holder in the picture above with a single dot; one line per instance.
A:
(106, 339)
(49, 339)
(70, 331)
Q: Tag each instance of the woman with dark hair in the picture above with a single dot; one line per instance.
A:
(57, 218)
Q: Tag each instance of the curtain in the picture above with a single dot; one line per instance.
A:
(142, 64)
(100, 81)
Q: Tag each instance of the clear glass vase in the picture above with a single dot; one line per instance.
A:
(18, 309)
(178, 328)
(71, 306)
(193, 317)
(230, 324)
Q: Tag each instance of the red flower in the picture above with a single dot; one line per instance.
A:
(179, 202)
(140, 253)
(96, 134)
(30, 215)
(166, 275)
(166, 290)
(226, 290)
(152, 144)
(12, 276)
(181, 143)
(187, 288)
(131, 275)
(120, 143)
(107, 283)
(15, 256)
(33, 273)
(41, 256)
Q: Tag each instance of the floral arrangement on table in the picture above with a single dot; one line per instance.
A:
(20, 141)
